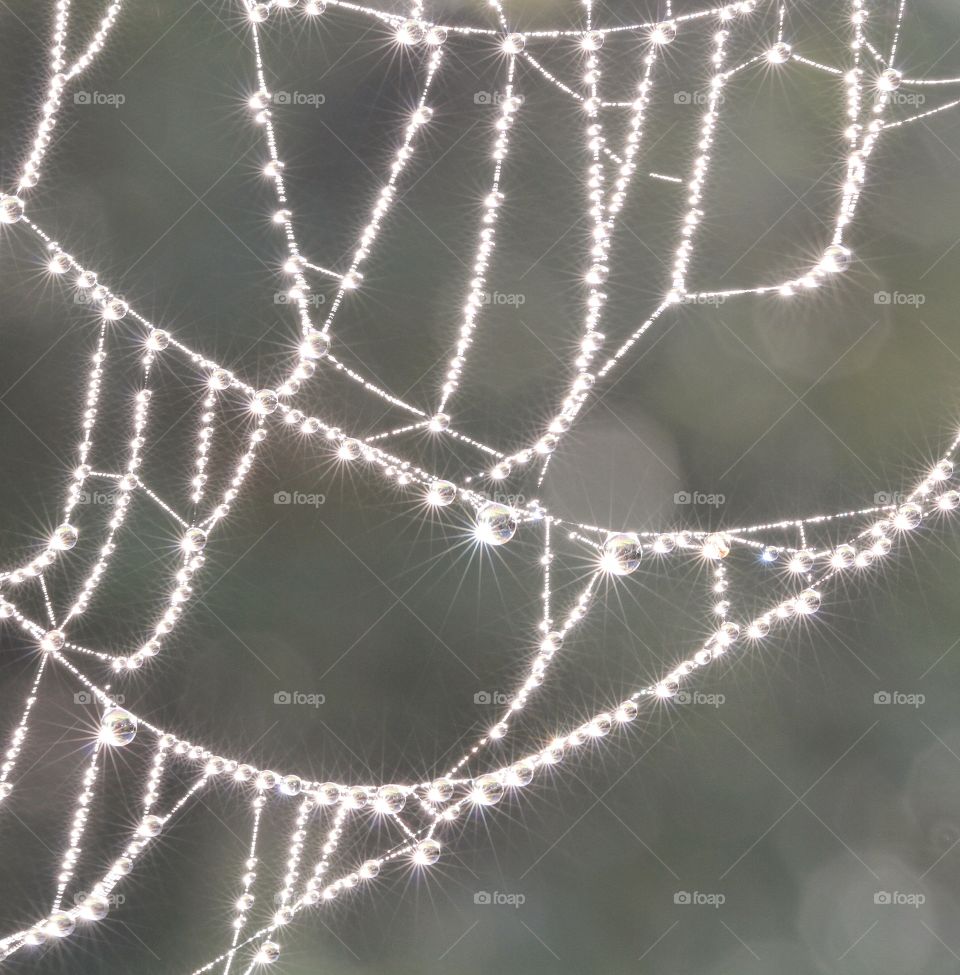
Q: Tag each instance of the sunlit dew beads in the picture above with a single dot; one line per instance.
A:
(11, 209)
(120, 729)
(407, 825)
(448, 799)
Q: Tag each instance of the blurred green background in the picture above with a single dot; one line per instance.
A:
(794, 794)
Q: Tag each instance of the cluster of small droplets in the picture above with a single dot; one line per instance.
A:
(666, 34)
(267, 950)
(192, 544)
(156, 772)
(372, 387)
(118, 728)
(481, 262)
(400, 475)
(204, 437)
(701, 165)
(836, 257)
(19, 735)
(29, 174)
(862, 143)
(719, 586)
(406, 428)
(273, 169)
(854, 131)
(314, 889)
(490, 789)
(634, 136)
(550, 642)
(546, 561)
(421, 116)
(904, 519)
(61, 923)
(127, 484)
(598, 270)
(91, 406)
(245, 902)
(60, 76)
(62, 540)
(604, 213)
(81, 815)
(291, 786)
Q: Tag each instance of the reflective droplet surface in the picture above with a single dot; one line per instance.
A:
(664, 33)
(487, 790)
(496, 523)
(808, 602)
(621, 554)
(53, 640)
(836, 259)
(426, 853)
(908, 516)
(779, 53)
(390, 800)
(151, 826)
(60, 925)
(441, 493)
(95, 907)
(194, 540)
(290, 785)
(11, 209)
(269, 952)
(716, 546)
(118, 727)
(315, 345)
(265, 402)
(65, 537)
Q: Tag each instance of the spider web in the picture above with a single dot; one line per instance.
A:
(327, 847)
